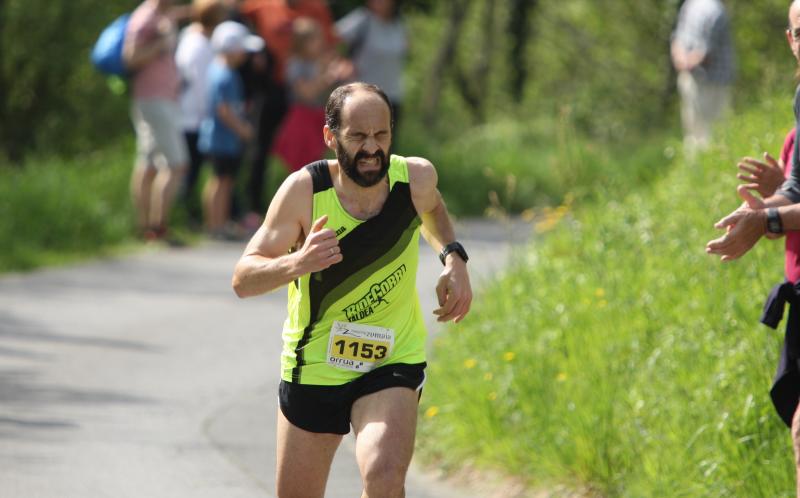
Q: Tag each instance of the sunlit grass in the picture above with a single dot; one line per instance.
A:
(637, 365)
(57, 210)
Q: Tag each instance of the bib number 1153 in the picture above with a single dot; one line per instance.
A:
(358, 347)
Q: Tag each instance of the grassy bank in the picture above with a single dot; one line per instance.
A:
(515, 165)
(57, 210)
(616, 354)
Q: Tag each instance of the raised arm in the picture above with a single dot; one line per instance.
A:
(453, 289)
(267, 262)
(139, 49)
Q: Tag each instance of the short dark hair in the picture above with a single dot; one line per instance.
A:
(209, 13)
(333, 108)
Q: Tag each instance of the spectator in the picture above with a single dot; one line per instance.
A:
(377, 43)
(161, 150)
(311, 73)
(193, 57)
(273, 20)
(224, 131)
(771, 217)
(703, 55)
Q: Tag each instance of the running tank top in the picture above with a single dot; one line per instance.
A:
(374, 285)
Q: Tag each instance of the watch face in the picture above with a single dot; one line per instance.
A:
(774, 224)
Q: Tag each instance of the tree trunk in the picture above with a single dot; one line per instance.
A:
(670, 88)
(444, 59)
(519, 28)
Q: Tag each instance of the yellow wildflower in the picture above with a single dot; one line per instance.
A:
(488, 376)
(431, 412)
(561, 377)
(509, 355)
(600, 292)
(492, 396)
(470, 363)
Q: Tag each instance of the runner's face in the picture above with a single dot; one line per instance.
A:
(364, 143)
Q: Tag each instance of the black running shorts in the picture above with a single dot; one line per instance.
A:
(326, 409)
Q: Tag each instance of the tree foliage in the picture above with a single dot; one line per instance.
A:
(605, 65)
(52, 99)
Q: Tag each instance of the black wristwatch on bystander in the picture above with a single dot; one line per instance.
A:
(774, 223)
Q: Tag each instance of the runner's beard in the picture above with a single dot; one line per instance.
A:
(350, 166)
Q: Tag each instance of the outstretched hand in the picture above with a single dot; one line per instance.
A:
(763, 176)
(743, 228)
(453, 292)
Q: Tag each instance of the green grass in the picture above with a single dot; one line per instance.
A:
(616, 355)
(56, 211)
(514, 165)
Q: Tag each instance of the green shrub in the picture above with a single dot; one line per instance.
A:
(616, 354)
(513, 166)
(54, 210)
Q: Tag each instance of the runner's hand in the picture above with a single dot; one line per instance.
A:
(764, 176)
(321, 248)
(453, 291)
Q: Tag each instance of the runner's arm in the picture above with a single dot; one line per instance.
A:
(267, 263)
(453, 289)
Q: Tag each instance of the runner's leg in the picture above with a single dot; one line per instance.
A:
(385, 424)
(304, 460)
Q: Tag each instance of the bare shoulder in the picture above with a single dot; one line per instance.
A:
(292, 201)
(422, 180)
(422, 174)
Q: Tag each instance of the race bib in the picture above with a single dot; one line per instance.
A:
(358, 347)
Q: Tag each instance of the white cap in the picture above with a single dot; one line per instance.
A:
(232, 36)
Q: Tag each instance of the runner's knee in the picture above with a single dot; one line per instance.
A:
(384, 477)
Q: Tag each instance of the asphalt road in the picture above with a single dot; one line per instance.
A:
(145, 376)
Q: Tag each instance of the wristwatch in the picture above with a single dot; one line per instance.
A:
(453, 247)
(774, 223)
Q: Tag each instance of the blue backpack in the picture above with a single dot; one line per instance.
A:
(107, 51)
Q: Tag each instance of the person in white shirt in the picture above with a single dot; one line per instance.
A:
(193, 56)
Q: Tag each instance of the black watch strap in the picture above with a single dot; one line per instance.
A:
(453, 247)
(774, 223)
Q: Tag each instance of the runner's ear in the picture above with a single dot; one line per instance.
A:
(330, 138)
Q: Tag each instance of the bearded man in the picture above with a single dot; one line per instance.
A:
(343, 234)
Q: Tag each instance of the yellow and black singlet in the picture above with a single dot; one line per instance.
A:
(363, 312)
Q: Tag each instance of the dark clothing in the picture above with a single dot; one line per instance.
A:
(196, 159)
(785, 391)
(226, 165)
(791, 187)
(273, 110)
(326, 409)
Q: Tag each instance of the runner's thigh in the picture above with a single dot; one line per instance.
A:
(304, 460)
(385, 424)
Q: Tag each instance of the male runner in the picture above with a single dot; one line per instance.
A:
(344, 235)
